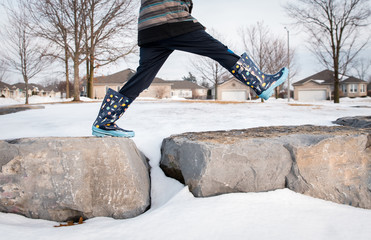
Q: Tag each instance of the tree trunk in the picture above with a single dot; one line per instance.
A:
(91, 81)
(26, 84)
(76, 79)
(67, 73)
(90, 75)
(336, 80)
(216, 91)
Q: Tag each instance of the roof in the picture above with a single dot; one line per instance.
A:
(326, 77)
(185, 85)
(120, 78)
(4, 85)
(353, 80)
(52, 88)
(30, 86)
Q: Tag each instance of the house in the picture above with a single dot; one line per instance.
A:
(5, 89)
(233, 90)
(320, 86)
(18, 90)
(33, 89)
(158, 89)
(187, 89)
(53, 91)
(353, 87)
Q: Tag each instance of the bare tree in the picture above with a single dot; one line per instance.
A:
(3, 70)
(210, 70)
(109, 34)
(334, 28)
(268, 51)
(255, 39)
(63, 23)
(361, 68)
(161, 92)
(23, 54)
(50, 19)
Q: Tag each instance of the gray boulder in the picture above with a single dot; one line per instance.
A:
(332, 163)
(62, 179)
(357, 122)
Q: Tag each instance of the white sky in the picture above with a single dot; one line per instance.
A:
(226, 17)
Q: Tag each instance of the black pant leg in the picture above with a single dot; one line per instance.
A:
(201, 43)
(151, 61)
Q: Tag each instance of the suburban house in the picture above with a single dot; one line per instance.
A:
(158, 89)
(234, 90)
(320, 86)
(18, 90)
(188, 89)
(5, 90)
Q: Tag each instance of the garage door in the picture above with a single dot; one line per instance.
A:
(312, 95)
(233, 95)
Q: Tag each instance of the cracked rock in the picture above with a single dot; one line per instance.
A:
(331, 163)
(63, 179)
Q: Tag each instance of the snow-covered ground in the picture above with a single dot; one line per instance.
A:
(175, 213)
(38, 99)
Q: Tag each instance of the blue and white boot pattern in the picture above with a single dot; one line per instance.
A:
(113, 107)
(263, 84)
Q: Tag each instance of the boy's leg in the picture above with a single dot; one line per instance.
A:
(201, 43)
(243, 68)
(150, 63)
(116, 103)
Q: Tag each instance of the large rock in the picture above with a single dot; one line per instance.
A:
(332, 163)
(64, 178)
(357, 122)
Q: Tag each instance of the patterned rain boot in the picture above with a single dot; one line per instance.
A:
(113, 107)
(263, 84)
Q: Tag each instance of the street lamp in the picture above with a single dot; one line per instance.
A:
(288, 65)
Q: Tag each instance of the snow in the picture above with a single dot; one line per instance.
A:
(175, 213)
(319, 81)
(38, 99)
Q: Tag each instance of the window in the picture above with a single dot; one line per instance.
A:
(363, 88)
(344, 88)
(353, 88)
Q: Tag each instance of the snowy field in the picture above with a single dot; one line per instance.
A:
(175, 213)
(37, 99)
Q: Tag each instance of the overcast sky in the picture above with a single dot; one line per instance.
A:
(226, 17)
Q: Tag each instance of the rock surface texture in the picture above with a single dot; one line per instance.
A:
(357, 122)
(62, 179)
(332, 163)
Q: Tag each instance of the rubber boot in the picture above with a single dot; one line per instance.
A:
(113, 107)
(263, 84)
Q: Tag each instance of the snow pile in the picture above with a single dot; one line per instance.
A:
(175, 213)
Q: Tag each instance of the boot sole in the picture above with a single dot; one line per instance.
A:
(103, 133)
(269, 92)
